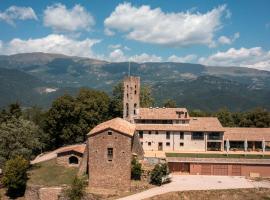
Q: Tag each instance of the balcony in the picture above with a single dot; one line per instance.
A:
(214, 136)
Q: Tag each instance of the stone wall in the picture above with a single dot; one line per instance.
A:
(84, 163)
(137, 147)
(43, 193)
(114, 174)
(63, 158)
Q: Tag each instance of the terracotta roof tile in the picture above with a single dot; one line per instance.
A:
(196, 124)
(251, 134)
(78, 148)
(117, 124)
(162, 113)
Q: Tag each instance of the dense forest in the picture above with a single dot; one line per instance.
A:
(28, 132)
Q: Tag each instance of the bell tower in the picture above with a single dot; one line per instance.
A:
(131, 98)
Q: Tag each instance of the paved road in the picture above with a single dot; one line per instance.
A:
(190, 182)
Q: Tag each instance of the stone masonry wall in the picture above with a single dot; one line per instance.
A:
(115, 174)
(63, 159)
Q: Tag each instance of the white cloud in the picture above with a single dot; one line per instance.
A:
(50, 44)
(182, 59)
(254, 57)
(144, 57)
(118, 55)
(226, 40)
(109, 32)
(155, 26)
(17, 13)
(60, 18)
(118, 46)
(115, 46)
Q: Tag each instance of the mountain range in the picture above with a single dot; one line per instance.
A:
(38, 78)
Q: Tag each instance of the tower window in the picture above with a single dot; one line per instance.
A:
(127, 109)
(135, 107)
(110, 154)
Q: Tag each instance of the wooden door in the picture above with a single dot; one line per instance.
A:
(220, 170)
(236, 170)
(206, 169)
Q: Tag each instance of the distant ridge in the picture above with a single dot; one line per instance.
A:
(192, 85)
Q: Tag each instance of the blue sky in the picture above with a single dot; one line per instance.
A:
(218, 33)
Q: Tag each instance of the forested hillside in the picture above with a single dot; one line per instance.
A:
(38, 78)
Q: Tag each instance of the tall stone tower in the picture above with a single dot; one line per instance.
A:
(131, 98)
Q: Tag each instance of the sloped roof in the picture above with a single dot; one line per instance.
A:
(251, 134)
(77, 147)
(207, 124)
(117, 124)
(162, 113)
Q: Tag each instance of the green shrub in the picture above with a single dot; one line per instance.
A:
(77, 189)
(15, 176)
(136, 169)
(158, 173)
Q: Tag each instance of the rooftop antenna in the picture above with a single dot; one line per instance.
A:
(128, 67)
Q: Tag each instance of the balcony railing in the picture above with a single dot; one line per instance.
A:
(214, 137)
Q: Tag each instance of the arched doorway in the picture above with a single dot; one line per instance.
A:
(73, 160)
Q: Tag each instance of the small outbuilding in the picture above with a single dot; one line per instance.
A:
(70, 156)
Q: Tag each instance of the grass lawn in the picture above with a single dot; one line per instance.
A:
(202, 155)
(50, 174)
(236, 194)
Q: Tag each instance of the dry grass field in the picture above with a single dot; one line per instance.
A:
(235, 194)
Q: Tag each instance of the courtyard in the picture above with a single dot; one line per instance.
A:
(197, 182)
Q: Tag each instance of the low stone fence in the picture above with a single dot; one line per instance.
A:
(43, 193)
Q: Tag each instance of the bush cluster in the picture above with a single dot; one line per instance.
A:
(158, 173)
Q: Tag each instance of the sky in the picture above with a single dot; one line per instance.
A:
(215, 33)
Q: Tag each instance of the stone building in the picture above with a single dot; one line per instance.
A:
(70, 156)
(111, 145)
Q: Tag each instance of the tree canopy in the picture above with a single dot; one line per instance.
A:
(71, 118)
(18, 137)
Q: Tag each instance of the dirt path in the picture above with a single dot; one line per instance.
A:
(189, 182)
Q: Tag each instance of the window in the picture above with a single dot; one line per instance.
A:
(185, 114)
(109, 133)
(181, 135)
(142, 143)
(149, 143)
(181, 144)
(135, 92)
(110, 154)
(168, 144)
(149, 132)
(73, 160)
(127, 109)
(135, 107)
(168, 135)
(156, 132)
(197, 136)
(141, 134)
